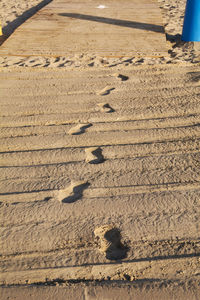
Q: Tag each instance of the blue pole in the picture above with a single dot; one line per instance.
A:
(191, 26)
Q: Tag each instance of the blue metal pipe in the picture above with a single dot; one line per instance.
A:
(191, 26)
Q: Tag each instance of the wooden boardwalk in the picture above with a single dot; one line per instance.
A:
(111, 28)
(148, 183)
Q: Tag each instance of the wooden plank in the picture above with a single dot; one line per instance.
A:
(118, 28)
(148, 185)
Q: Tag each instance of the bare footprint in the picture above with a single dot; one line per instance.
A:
(94, 155)
(121, 77)
(79, 129)
(105, 91)
(110, 242)
(73, 192)
(104, 107)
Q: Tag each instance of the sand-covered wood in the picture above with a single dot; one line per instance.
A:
(56, 195)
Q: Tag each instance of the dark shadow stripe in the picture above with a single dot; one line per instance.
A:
(122, 23)
(11, 26)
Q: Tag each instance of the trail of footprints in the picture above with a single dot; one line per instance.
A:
(94, 155)
(108, 236)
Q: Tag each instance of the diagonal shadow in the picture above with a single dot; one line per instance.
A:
(13, 25)
(116, 22)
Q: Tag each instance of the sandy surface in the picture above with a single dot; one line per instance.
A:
(113, 290)
(14, 13)
(97, 168)
(100, 172)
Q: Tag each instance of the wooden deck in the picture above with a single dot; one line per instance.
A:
(148, 184)
(110, 28)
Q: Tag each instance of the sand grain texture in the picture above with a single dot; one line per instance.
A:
(100, 180)
(146, 186)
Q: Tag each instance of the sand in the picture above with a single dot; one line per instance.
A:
(128, 211)
(100, 173)
(152, 289)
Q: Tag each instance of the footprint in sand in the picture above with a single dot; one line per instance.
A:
(34, 61)
(110, 242)
(104, 107)
(79, 129)
(194, 76)
(105, 91)
(94, 155)
(73, 192)
(121, 77)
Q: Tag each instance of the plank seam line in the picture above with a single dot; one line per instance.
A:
(107, 145)
(90, 131)
(152, 188)
(126, 157)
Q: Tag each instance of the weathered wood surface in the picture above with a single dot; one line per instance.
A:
(148, 185)
(66, 27)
